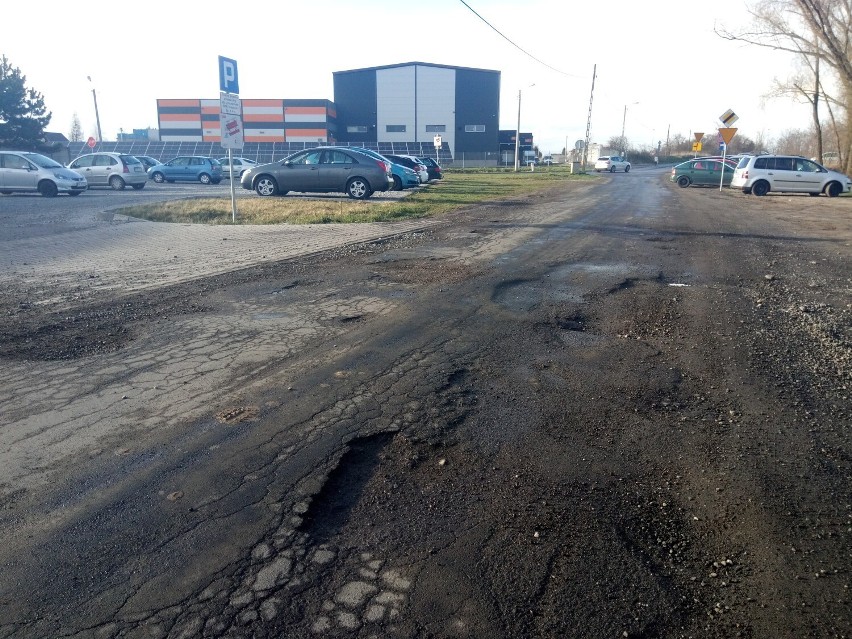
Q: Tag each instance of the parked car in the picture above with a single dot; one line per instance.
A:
(25, 171)
(760, 174)
(432, 168)
(241, 165)
(703, 172)
(403, 177)
(147, 161)
(412, 163)
(115, 170)
(187, 168)
(321, 170)
(612, 163)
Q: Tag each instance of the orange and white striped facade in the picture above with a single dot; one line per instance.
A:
(264, 120)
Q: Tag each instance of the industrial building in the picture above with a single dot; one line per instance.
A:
(400, 106)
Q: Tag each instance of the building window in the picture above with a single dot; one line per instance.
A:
(474, 128)
(358, 128)
(436, 128)
(395, 128)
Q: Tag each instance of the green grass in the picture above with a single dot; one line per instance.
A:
(459, 188)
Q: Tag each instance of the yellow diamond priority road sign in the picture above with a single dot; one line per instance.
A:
(729, 117)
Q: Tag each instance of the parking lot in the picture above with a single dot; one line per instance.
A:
(66, 246)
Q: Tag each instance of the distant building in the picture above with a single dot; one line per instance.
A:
(391, 108)
(275, 120)
(507, 147)
(415, 101)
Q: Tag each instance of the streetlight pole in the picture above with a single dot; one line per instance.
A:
(97, 116)
(518, 133)
(623, 141)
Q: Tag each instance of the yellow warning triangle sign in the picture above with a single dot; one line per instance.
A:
(727, 134)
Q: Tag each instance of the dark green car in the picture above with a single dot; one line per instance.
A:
(702, 172)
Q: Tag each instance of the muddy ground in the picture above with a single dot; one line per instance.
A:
(614, 409)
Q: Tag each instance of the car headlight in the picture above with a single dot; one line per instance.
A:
(61, 176)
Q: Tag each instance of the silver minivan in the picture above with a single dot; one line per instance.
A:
(25, 171)
(761, 174)
(115, 170)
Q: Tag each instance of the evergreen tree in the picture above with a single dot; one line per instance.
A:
(23, 115)
(76, 129)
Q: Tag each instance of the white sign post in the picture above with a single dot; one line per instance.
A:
(438, 143)
(230, 119)
(726, 133)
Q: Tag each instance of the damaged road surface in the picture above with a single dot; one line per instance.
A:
(614, 409)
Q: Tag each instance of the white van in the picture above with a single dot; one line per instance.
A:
(760, 174)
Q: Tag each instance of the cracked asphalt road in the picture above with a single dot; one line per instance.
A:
(614, 409)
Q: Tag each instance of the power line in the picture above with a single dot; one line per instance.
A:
(519, 48)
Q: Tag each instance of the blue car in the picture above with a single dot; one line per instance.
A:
(187, 168)
(403, 177)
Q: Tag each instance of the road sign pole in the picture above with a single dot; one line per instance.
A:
(724, 155)
(233, 192)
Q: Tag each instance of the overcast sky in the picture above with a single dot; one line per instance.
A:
(660, 59)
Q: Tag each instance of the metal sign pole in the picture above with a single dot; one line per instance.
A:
(233, 193)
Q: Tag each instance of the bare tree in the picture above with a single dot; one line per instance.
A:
(819, 30)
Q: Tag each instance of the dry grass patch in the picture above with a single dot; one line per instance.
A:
(458, 189)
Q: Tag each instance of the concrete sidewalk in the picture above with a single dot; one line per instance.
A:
(132, 255)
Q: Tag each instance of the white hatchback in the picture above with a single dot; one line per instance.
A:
(612, 163)
(115, 170)
(760, 174)
(241, 165)
(25, 171)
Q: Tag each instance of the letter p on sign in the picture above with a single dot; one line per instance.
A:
(229, 81)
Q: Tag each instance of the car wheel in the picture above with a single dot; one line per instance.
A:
(833, 189)
(266, 186)
(760, 188)
(139, 187)
(158, 177)
(74, 193)
(358, 189)
(204, 178)
(397, 184)
(627, 169)
(683, 181)
(47, 188)
(612, 169)
(116, 183)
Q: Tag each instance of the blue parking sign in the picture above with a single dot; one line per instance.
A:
(229, 81)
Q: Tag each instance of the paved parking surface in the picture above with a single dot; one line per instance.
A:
(66, 242)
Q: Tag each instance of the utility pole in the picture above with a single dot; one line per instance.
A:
(589, 120)
(97, 116)
(518, 133)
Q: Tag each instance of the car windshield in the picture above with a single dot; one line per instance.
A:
(42, 161)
